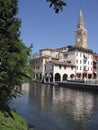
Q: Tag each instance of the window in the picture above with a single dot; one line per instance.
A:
(79, 33)
(91, 57)
(80, 55)
(59, 66)
(84, 68)
(84, 34)
(80, 61)
(71, 67)
(77, 67)
(84, 61)
(65, 55)
(64, 67)
(52, 67)
(80, 67)
(77, 61)
(88, 62)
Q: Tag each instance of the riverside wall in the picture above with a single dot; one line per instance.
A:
(77, 85)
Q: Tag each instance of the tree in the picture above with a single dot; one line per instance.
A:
(57, 4)
(14, 54)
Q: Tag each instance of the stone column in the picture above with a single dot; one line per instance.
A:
(48, 77)
(53, 79)
(61, 78)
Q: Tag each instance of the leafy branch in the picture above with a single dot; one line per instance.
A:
(57, 5)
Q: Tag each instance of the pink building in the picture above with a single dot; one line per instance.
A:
(95, 58)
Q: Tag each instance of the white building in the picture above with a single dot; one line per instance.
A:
(58, 71)
(83, 62)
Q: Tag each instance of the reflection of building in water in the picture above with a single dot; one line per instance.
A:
(79, 104)
(41, 94)
(63, 104)
(43, 98)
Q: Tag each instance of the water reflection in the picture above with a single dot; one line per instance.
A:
(62, 108)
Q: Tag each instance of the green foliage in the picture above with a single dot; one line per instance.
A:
(7, 123)
(57, 5)
(14, 55)
(72, 48)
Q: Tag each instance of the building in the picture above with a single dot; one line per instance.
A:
(39, 62)
(56, 70)
(65, 63)
(95, 66)
(50, 52)
(83, 62)
(97, 69)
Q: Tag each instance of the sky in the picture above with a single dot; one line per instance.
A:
(43, 28)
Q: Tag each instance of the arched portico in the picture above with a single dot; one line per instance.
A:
(57, 77)
(51, 77)
(46, 77)
(89, 76)
(72, 76)
(65, 76)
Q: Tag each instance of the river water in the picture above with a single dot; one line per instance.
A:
(48, 107)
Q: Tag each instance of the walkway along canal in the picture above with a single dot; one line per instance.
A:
(49, 107)
(81, 85)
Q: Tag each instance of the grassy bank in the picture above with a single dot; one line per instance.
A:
(7, 123)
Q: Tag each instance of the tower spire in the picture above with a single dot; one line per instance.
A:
(81, 32)
(80, 20)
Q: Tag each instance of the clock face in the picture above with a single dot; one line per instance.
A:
(78, 40)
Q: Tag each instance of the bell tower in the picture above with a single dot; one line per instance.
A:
(81, 32)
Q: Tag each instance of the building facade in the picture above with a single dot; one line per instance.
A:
(56, 70)
(39, 62)
(83, 62)
(95, 66)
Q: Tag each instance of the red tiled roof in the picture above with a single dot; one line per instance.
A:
(56, 62)
(44, 57)
(50, 49)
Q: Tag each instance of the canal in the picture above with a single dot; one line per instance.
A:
(48, 107)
